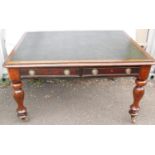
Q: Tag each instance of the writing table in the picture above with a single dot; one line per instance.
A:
(78, 54)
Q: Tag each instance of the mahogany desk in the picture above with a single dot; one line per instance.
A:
(78, 54)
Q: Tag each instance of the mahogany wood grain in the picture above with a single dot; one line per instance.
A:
(138, 91)
(81, 71)
(18, 92)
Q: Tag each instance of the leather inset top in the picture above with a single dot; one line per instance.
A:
(76, 45)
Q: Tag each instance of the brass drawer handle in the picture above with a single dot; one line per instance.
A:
(94, 71)
(128, 71)
(32, 72)
(66, 72)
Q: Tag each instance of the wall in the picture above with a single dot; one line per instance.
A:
(142, 36)
(2, 51)
(151, 42)
(151, 49)
(1, 58)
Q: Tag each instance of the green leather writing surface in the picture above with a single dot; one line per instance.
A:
(76, 45)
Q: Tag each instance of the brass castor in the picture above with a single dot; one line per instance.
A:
(133, 119)
(24, 118)
(22, 115)
(133, 114)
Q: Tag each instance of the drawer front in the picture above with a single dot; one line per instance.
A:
(55, 72)
(77, 72)
(111, 71)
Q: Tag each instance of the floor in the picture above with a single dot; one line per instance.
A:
(90, 101)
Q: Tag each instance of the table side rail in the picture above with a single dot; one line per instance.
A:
(79, 71)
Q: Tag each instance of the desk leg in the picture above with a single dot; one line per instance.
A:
(138, 92)
(18, 93)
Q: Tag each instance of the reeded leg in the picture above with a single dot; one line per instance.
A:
(18, 93)
(138, 92)
(19, 98)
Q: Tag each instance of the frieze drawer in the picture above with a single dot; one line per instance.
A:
(39, 72)
(113, 71)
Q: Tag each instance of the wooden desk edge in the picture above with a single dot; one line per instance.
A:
(78, 64)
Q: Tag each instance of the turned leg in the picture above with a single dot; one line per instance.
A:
(18, 93)
(138, 92)
(19, 98)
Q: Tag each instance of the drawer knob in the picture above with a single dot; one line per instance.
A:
(31, 72)
(66, 71)
(128, 71)
(94, 71)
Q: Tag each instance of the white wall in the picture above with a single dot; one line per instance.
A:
(1, 57)
(151, 42)
(142, 36)
(2, 51)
